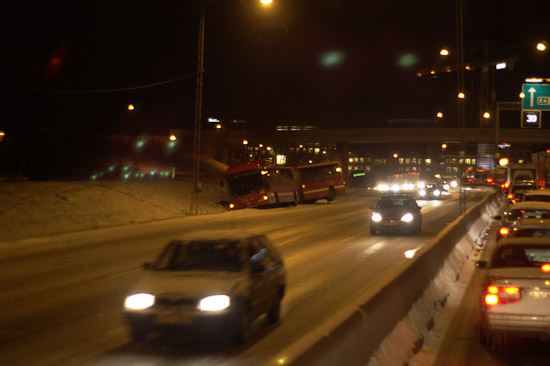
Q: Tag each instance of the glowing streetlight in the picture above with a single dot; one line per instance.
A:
(542, 46)
(461, 95)
(443, 146)
(266, 2)
(486, 115)
(522, 95)
(131, 107)
(396, 155)
(173, 138)
(439, 114)
(444, 52)
(245, 142)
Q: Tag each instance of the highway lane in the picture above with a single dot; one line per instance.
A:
(62, 295)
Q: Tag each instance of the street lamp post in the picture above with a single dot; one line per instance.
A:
(195, 173)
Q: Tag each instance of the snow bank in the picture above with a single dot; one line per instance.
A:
(31, 209)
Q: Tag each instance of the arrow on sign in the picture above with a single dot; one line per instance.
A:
(532, 91)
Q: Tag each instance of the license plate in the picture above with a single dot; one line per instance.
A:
(171, 316)
(539, 295)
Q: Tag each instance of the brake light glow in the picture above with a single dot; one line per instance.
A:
(231, 205)
(504, 231)
(502, 295)
(545, 267)
(510, 196)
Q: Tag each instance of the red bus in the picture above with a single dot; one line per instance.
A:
(258, 183)
(320, 181)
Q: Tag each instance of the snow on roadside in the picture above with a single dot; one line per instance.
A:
(31, 209)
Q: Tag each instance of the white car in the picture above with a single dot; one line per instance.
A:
(536, 210)
(515, 294)
(530, 228)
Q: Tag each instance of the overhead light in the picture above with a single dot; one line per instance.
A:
(533, 80)
(501, 65)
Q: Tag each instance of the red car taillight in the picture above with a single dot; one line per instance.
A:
(504, 231)
(510, 196)
(502, 295)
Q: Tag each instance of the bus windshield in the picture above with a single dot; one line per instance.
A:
(243, 183)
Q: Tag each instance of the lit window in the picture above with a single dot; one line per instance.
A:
(428, 161)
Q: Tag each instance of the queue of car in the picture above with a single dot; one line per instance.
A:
(515, 293)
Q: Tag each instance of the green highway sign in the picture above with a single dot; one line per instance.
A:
(537, 96)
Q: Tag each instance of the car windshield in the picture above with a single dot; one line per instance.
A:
(220, 255)
(506, 257)
(387, 202)
(526, 213)
(245, 183)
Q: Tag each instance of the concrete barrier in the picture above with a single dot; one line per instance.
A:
(356, 332)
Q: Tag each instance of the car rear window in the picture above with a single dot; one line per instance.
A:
(520, 257)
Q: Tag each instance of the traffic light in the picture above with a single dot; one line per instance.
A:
(530, 119)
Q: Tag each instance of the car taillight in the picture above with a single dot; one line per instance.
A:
(510, 196)
(265, 197)
(545, 267)
(502, 295)
(504, 231)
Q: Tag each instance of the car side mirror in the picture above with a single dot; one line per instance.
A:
(481, 264)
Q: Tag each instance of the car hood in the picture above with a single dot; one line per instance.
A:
(394, 212)
(190, 284)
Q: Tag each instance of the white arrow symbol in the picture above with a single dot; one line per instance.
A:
(532, 91)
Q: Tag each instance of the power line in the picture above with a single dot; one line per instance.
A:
(95, 91)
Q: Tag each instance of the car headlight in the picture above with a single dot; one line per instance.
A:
(408, 217)
(376, 217)
(422, 193)
(395, 188)
(421, 185)
(436, 192)
(214, 303)
(139, 301)
(446, 187)
(454, 184)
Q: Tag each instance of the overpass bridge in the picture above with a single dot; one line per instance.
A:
(385, 136)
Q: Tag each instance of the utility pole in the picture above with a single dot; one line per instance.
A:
(461, 109)
(195, 182)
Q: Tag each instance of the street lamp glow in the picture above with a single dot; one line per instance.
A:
(542, 46)
(266, 2)
(444, 52)
(522, 95)
(461, 95)
(444, 146)
(396, 155)
(439, 115)
(131, 107)
(173, 138)
(245, 142)
(500, 66)
(487, 115)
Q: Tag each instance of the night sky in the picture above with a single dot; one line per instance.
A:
(330, 63)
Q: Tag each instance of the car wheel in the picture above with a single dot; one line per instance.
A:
(139, 331)
(331, 194)
(243, 330)
(274, 313)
